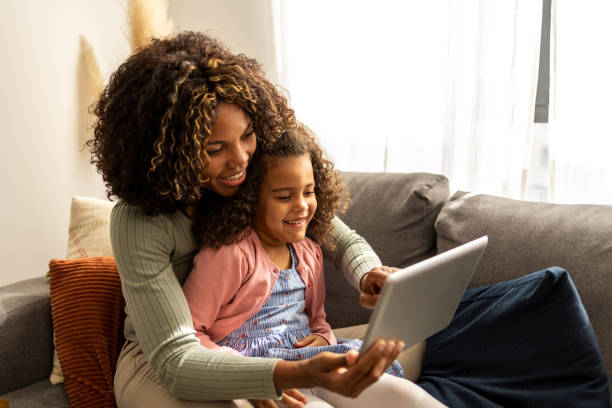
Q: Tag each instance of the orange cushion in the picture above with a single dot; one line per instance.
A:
(88, 313)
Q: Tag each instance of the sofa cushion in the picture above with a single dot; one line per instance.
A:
(395, 213)
(25, 314)
(41, 394)
(89, 232)
(527, 236)
(88, 317)
(88, 236)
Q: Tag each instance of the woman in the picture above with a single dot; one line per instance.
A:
(179, 116)
(184, 115)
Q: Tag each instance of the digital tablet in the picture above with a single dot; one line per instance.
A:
(420, 300)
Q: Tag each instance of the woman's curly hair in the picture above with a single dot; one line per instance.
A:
(157, 112)
(222, 221)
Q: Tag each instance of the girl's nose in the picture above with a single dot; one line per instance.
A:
(301, 205)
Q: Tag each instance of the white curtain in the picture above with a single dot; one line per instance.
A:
(580, 131)
(444, 86)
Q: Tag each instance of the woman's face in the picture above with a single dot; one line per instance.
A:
(230, 147)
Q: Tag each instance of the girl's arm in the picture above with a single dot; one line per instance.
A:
(214, 280)
(316, 311)
(159, 316)
(353, 256)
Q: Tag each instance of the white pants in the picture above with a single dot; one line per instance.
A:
(388, 391)
(136, 385)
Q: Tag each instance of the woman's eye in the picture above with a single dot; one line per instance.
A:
(214, 152)
(248, 134)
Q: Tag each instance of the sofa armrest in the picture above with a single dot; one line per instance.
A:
(26, 334)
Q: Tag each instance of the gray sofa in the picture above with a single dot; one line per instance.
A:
(406, 218)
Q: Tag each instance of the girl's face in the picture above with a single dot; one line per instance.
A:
(286, 201)
(230, 147)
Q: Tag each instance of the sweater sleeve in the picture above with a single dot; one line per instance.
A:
(158, 311)
(352, 255)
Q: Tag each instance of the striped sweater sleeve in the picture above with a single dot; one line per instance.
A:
(352, 255)
(158, 312)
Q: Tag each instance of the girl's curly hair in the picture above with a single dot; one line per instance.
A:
(157, 112)
(222, 221)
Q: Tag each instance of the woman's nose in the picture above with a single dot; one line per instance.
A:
(240, 158)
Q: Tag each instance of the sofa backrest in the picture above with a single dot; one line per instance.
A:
(395, 213)
(527, 236)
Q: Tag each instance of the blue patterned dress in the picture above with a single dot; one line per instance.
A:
(281, 322)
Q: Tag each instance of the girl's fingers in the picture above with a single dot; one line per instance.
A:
(264, 404)
(312, 340)
(303, 342)
(294, 400)
(295, 393)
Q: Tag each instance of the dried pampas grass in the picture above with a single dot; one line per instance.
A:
(147, 19)
(95, 80)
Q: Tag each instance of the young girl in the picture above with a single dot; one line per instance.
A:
(257, 287)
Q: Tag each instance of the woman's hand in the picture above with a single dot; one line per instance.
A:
(314, 340)
(340, 373)
(372, 283)
(292, 398)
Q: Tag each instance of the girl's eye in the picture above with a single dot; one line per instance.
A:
(309, 193)
(283, 198)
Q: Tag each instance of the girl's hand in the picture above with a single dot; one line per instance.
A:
(292, 398)
(340, 373)
(314, 340)
(372, 283)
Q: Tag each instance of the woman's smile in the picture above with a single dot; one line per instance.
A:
(235, 180)
(229, 148)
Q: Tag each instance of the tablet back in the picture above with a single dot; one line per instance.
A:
(420, 300)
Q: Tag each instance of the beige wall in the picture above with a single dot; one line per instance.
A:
(42, 107)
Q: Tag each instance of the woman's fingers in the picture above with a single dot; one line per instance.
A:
(372, 283)
(375, 369)
(347, 376)
(340, 373)
(368, 301)
(399, 346)
(371, 366)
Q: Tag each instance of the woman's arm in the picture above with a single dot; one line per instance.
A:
(352, 255)
(340, 373)
(160, 317)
